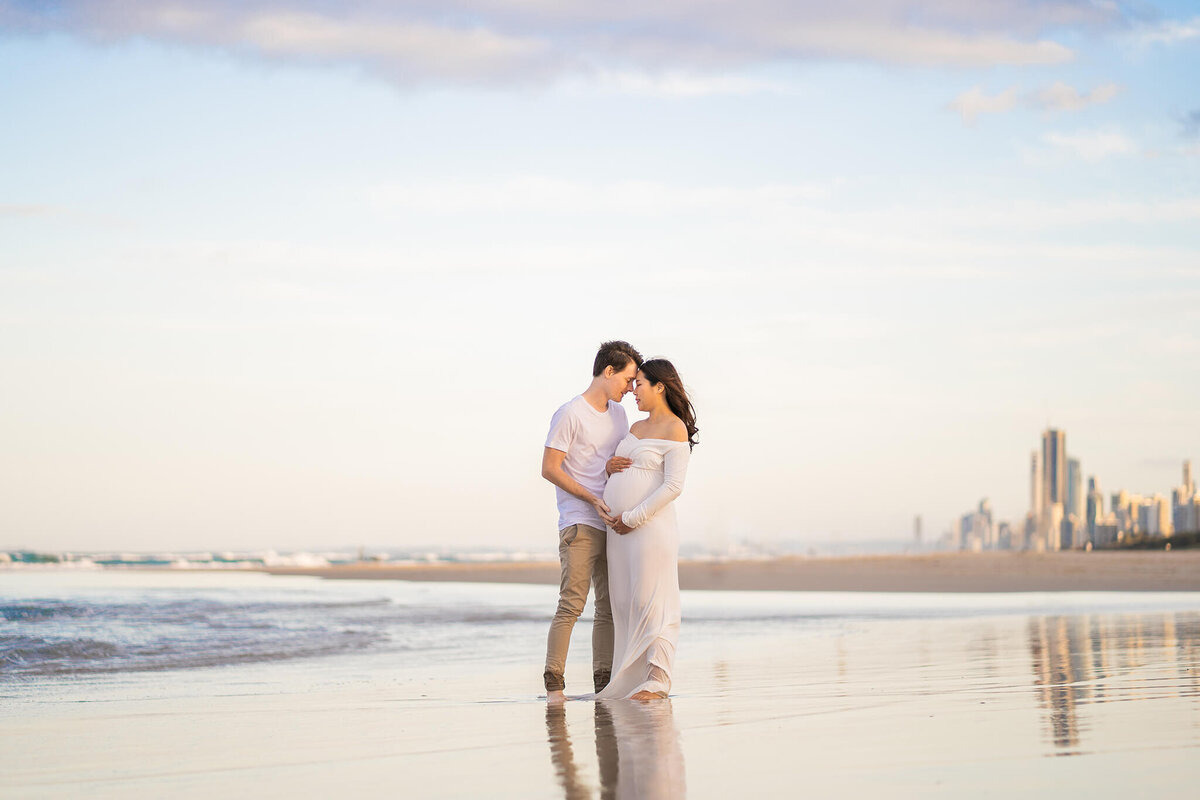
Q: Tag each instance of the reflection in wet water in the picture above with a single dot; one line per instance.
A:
(1079, 660)
(637, 748)
(563, 754)
(1097, 686)
(1057, 666)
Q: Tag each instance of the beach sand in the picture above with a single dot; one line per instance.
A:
(1126, 571)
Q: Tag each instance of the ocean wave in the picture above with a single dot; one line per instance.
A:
(168, 629)
(23, 612)
(452, 615)
(33, 656)
(24, 652)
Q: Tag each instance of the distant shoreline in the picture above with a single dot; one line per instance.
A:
(1099, 571)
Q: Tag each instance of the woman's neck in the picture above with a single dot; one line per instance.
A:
(659, 414)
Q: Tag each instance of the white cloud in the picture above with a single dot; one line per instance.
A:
(1057, 97)
(973, 102)
(27, 210)
(412, 50)
(803, 209)
(487, 42)
(403, 49)
(1169, 32)
(1093, 145)
(681, 84)
(920, 46)
(1191, 123)
(554, 196)
(1062, 97)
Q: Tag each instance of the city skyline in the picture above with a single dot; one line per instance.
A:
(1062, 517)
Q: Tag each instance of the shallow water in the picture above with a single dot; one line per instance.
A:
(78, 623)
(250, 684)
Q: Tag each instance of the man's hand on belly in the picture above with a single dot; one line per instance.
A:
(617, 464)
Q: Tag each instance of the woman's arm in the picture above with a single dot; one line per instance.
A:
(675, 463)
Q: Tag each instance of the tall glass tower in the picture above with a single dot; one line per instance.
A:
(1054, 488)
(1054, 467)
(1074, 488)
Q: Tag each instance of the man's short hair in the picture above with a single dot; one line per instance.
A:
(616, 355)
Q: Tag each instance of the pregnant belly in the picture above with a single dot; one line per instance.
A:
(626, 489)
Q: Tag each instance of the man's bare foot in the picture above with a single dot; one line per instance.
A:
(643, 695)
(557, 696)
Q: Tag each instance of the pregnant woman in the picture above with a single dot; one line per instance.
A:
(643, 545)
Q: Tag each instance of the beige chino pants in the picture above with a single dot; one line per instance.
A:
(582, 554)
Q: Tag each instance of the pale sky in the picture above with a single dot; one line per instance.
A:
(304, 274)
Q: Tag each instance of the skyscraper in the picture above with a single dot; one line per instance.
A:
(1053, 488)
(1124, 506)
(1035, 485)
(1054, 467)
(1154, 516)
(1074, 488)
(988, 525)
(1184, 503)
(1095, 509)
(1054, 527)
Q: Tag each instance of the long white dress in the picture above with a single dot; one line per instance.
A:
(643, 566)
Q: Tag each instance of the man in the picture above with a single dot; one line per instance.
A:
(584, 434)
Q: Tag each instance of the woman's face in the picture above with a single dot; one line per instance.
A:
(648, 396)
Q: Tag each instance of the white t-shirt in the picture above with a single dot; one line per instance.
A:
(589, 438)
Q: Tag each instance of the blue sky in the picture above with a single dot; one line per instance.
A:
(308, 274)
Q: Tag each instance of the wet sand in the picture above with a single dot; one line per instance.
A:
(1126, 571)
(1103, 705)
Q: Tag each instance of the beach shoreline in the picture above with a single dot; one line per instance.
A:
(1117, 571)
(210, 685)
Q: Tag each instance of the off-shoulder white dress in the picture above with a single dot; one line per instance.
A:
(643, 566)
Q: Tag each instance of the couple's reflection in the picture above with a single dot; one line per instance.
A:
(637, 748)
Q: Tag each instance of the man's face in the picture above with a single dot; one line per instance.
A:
(621, 382)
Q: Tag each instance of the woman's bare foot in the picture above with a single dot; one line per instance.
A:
(558, 696)
(644, 695)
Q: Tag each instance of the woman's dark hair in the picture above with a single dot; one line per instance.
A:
(617, 355)
(659, 370)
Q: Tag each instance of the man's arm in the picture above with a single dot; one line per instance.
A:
(552, 470)
(617, 464)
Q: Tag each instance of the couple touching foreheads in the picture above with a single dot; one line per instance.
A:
(615, 485)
